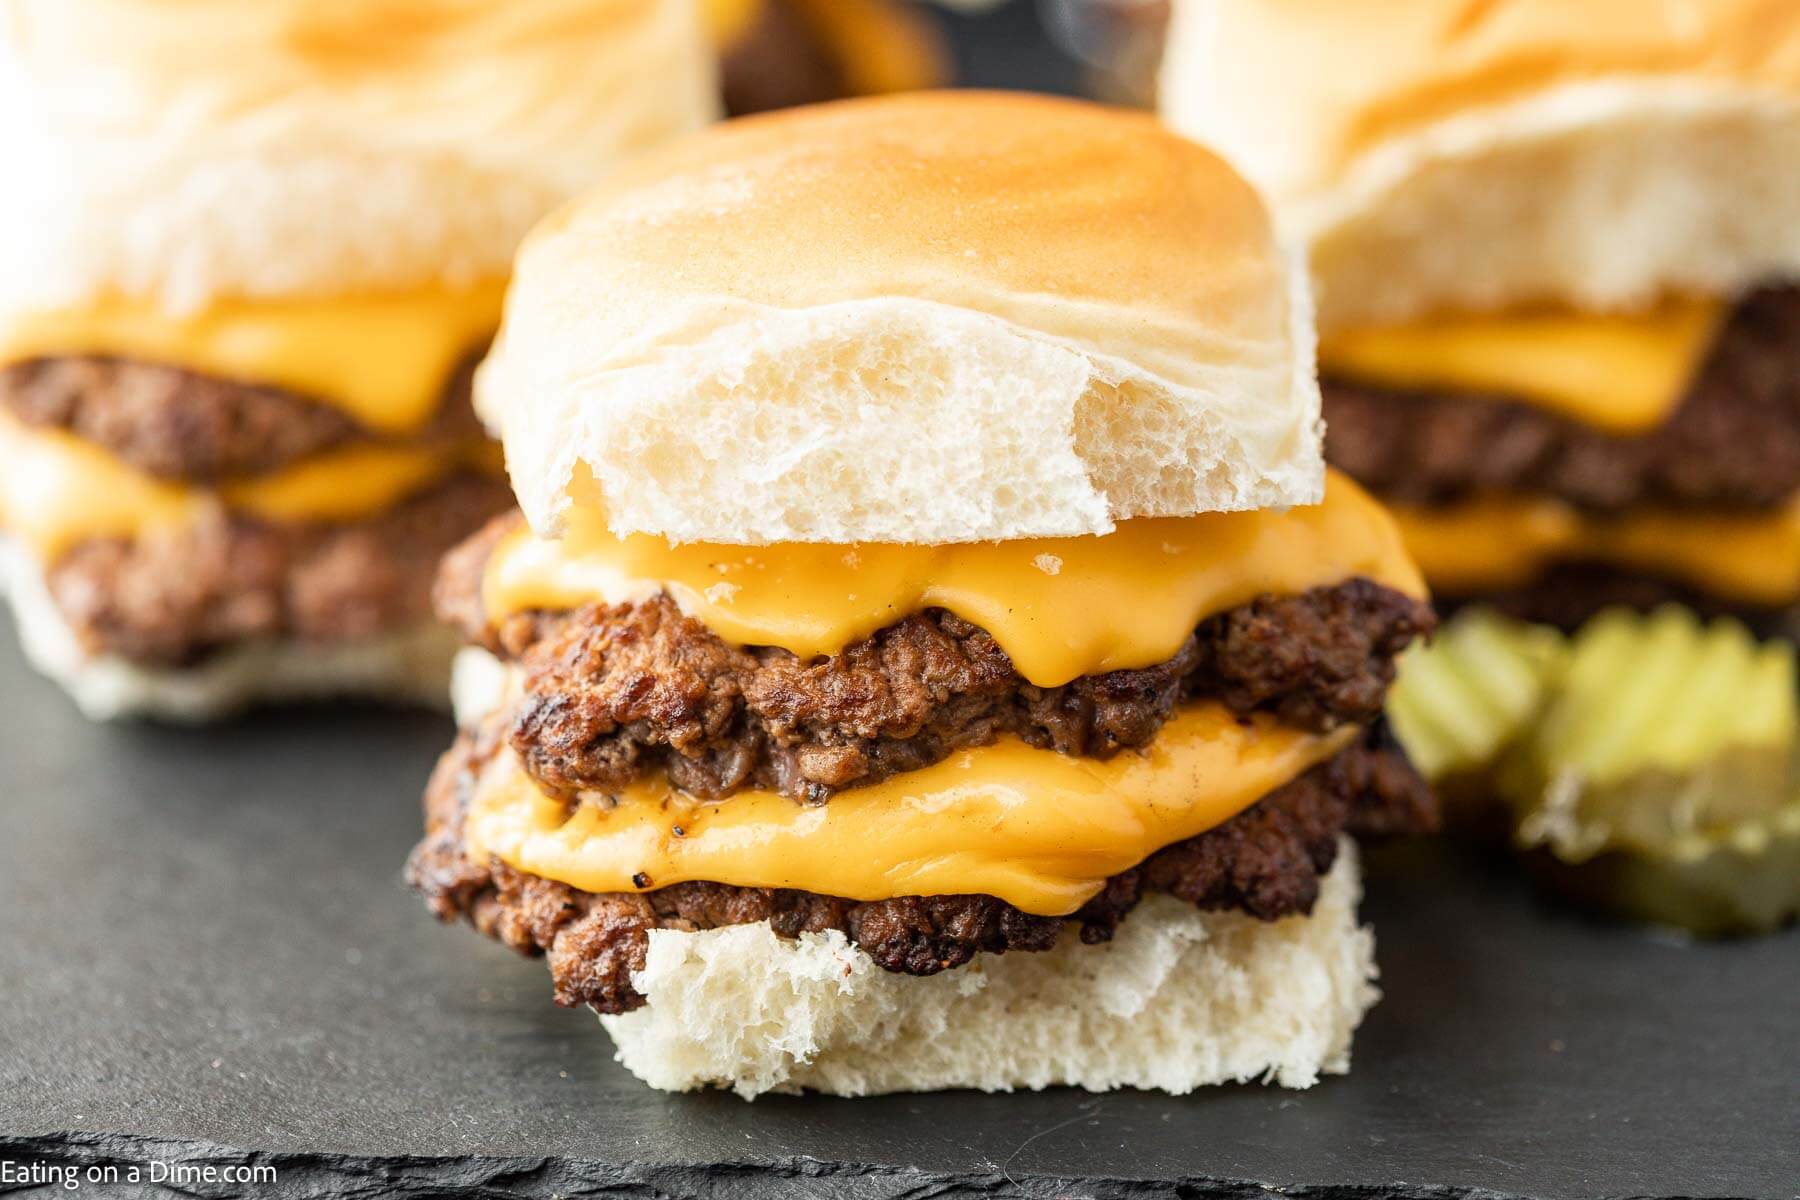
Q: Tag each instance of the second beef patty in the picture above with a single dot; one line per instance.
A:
(1266, 861)
(1733, 442)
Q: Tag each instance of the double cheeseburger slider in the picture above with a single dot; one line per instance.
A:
(781, 53)
(251, 252)
(932, 653)
(1557, 246)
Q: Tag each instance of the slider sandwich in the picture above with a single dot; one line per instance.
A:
(932, 653)
(252, 253)
(1557, 251)
(781, 53)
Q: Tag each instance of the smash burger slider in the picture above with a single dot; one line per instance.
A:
(1556, 244)
(932, 653)
(251, 252)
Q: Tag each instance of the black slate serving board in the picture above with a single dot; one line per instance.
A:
(207, 956)
(207, 960)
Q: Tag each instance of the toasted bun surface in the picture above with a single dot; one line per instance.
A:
(1179, 999)
(1442, 154)
(410, 666)
(187, 150)
(928, 318)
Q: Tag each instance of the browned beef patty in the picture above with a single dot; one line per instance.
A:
(780, 61)
(611, 692)
(169, 599)
(178, 424)
(1267, 862)
(1734, 441)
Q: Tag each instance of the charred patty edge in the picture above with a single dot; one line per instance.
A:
(610, 693)
(173, 598)
(1732, 443)
(187, 426)
(1267, 862)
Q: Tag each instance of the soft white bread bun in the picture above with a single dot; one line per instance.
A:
(939, 317)
(182, 151)
(1439, 154)
(408, 666)
(1179, 999)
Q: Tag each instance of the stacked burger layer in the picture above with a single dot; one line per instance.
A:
(1556, 248)
(927, 557)
(1555, 254)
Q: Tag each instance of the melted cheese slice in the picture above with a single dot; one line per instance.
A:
(1038, 829)
(1061, 607)
(1620, 373)
(1487, 545)
(384, 361)
(57, 490)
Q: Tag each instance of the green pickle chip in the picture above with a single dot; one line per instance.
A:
(1461, 701)
(1648, 766)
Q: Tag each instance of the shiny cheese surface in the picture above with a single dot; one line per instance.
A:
(1486, 545)
(383, 360)
(1038, 829)
(57, 490)
(1060, 607)
(1620, 373)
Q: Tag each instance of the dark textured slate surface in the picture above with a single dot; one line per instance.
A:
(206, 941)
(207, 959)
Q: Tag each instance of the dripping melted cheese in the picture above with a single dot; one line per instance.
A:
(1061, 607)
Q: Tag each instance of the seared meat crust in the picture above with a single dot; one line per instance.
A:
(1267, 861)
(169, 599)
(1734, 441)
(611, 692)
(181, 425)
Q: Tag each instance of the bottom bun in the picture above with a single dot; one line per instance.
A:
(410, 666)
(1178, 1000)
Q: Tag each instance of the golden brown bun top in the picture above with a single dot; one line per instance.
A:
(1323, 81)
(1109, 292)
(943, 192)
(188, 150)
(1480, 154)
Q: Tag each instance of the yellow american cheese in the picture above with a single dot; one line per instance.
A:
(1488, 545)
(1039, 829)
(1061, 607)
(57, 490)
(1622, 373)
(383, 360)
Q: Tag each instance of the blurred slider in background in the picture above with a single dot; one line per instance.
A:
(256, 252)
(251, 255)
(1556, 247)
(782, 53)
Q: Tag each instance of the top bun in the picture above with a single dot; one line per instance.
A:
(180, 151)
(940, 317)
(1442, 154)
